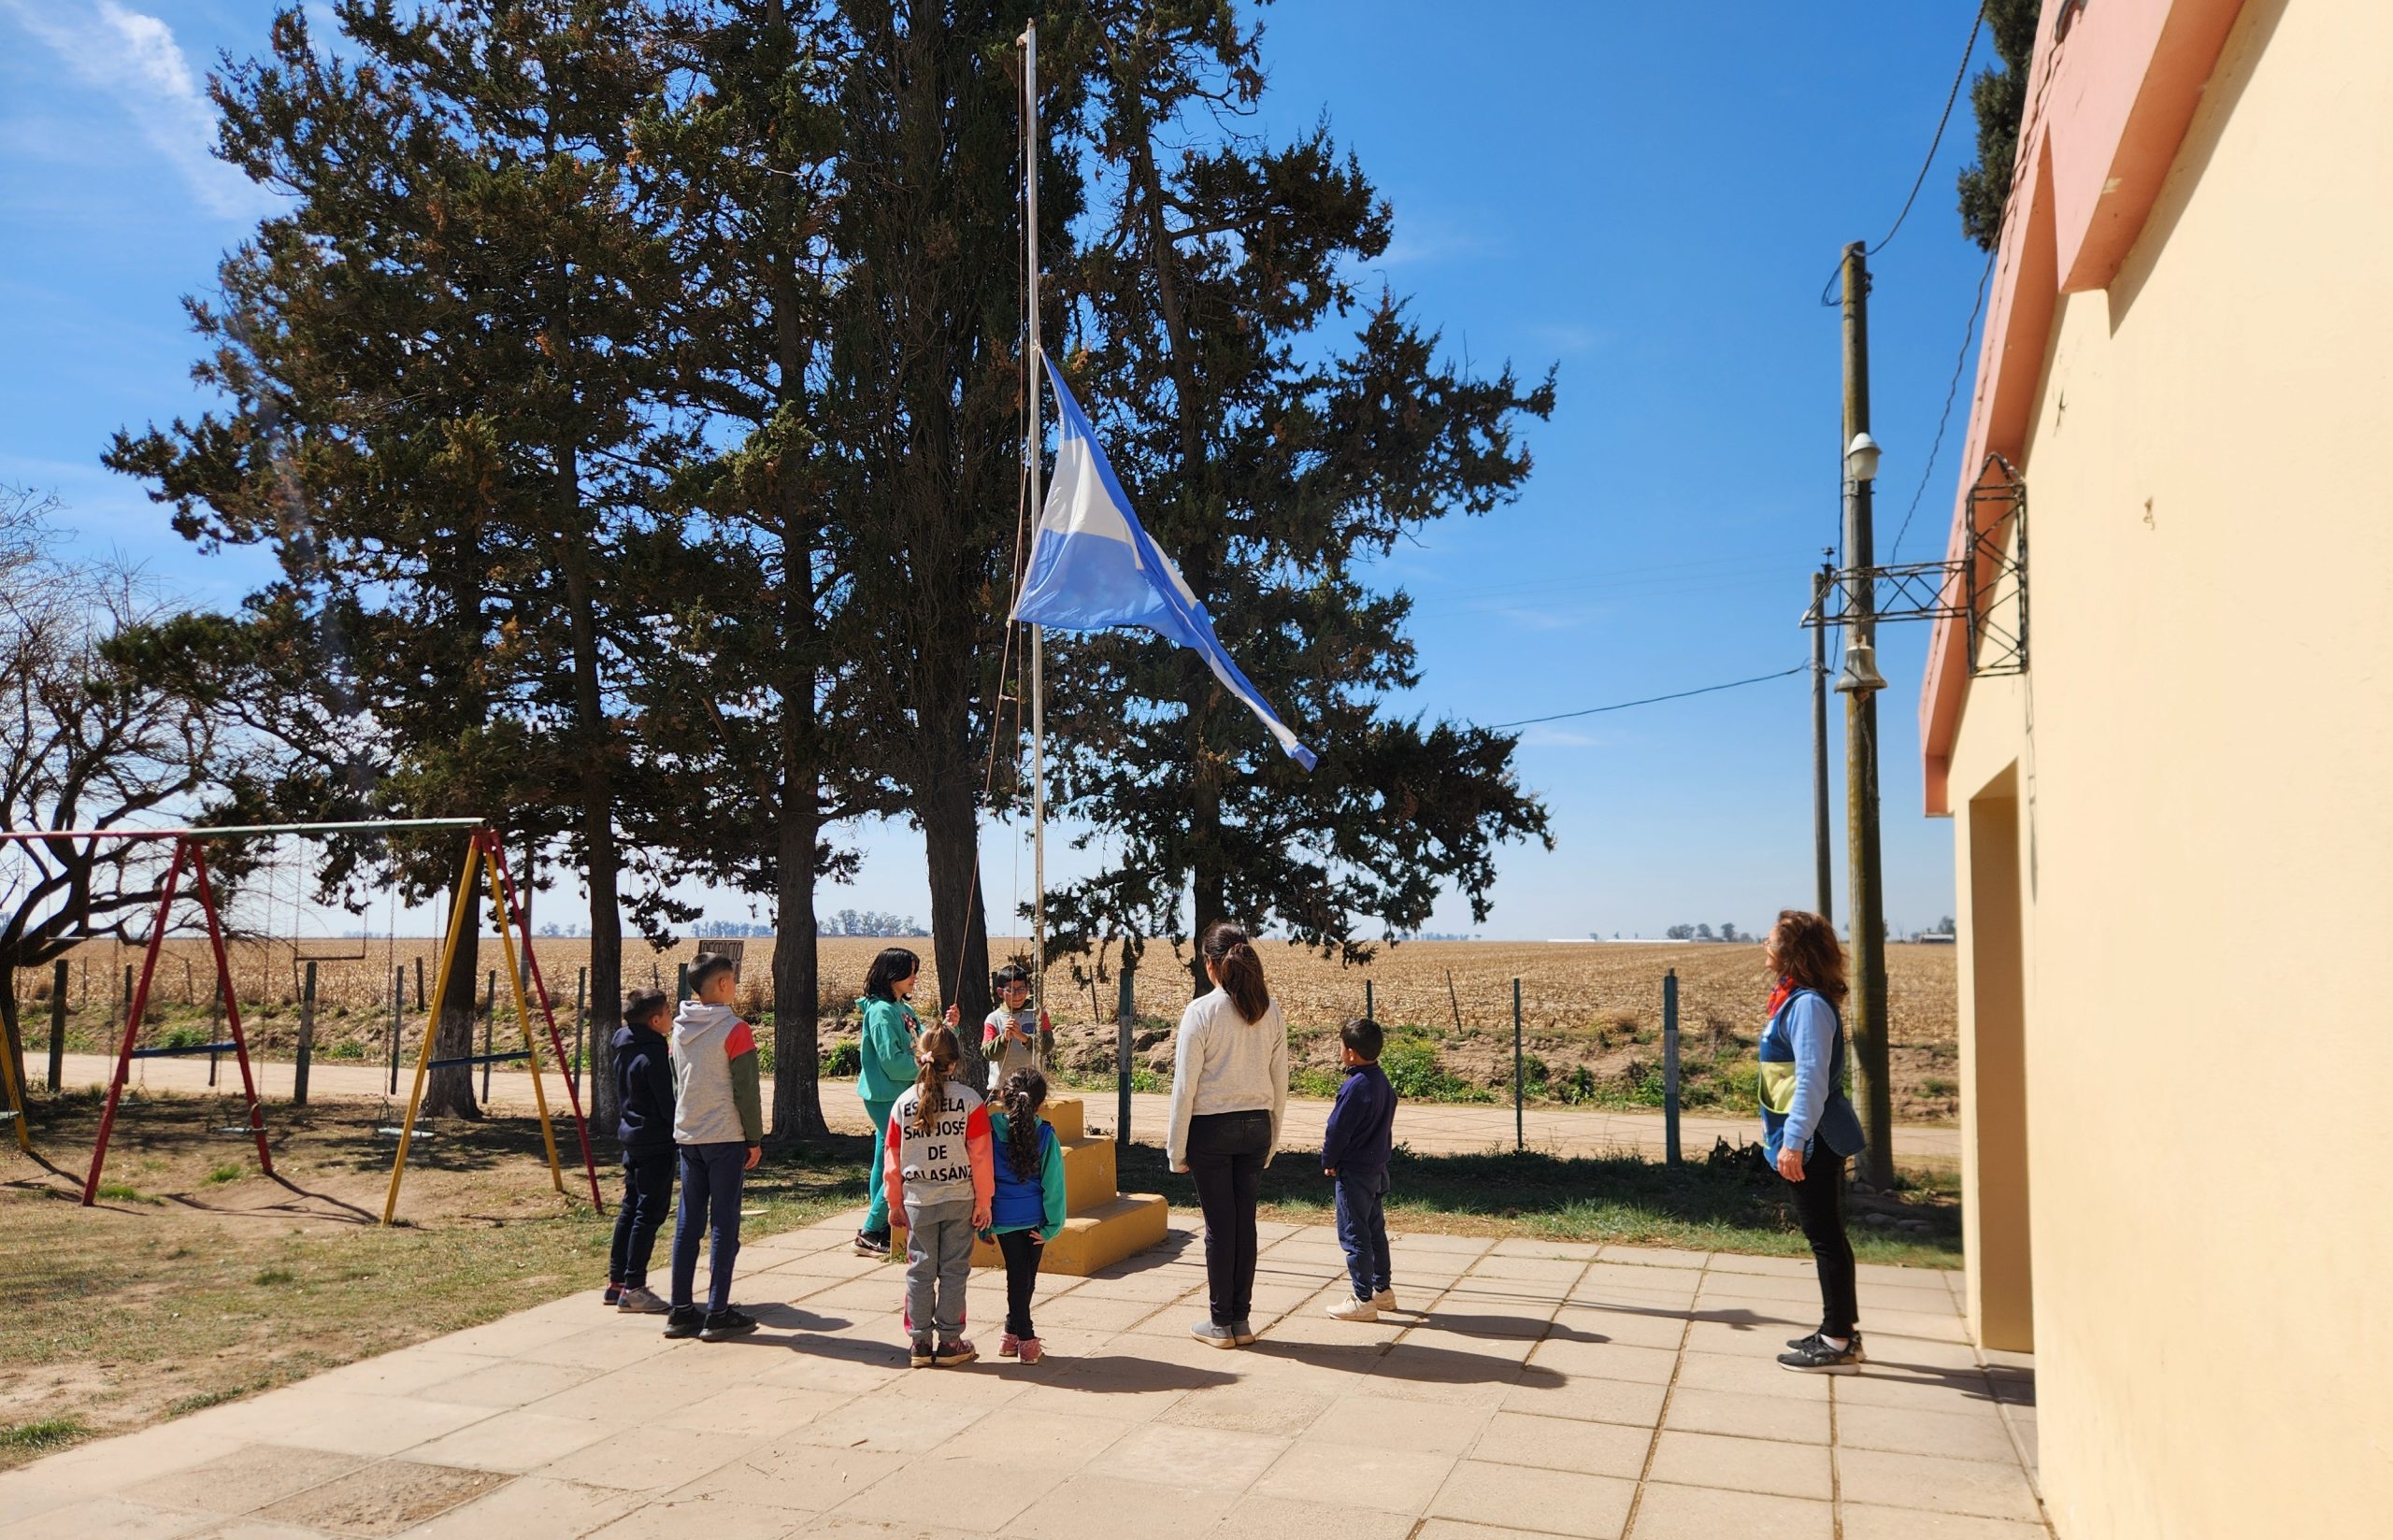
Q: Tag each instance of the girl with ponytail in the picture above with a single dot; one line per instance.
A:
(1029, 1208)
(1229, 1091)
(938, 1176)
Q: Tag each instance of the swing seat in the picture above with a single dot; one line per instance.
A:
(183, 1051)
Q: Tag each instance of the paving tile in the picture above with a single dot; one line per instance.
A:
(1351, 1475)
(1889, 1351)
(1707, 1513)
(1653, 1255)
(350, 1424)
(1554, 1502)
(1607, 1360)
(406, 1372)
(243, 1481)
(1563, 1444)
(1866, 1523)
(1766, 1285)
(1454, 1529)
(1062, 1443)
(1929, 1390)
(1383, 1423)
(1426, 1241)
(646, 1458)
(112, 1517)
(1212, 1460)
(529, 1507)
(1256, 1517)
(1777, 1268)
(1092, 1502)
(627, 1339)
(1270, 1407)
(887, 1423)
(513, 1382)
(801, 1478)
(1529, 1246)
(1940, 1485)
(1751, 1374)
(516, 1441)
(976, 1496)
(715, 1517)
(384, 1498)
(1742, 1331)
(760, 1410)
(1957, 1436)
(1631, 1328)
(1741, 1464)
(1787, 1419)
(1590, 1401)
(257, 1528)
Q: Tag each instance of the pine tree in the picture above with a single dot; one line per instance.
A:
(2000, 97)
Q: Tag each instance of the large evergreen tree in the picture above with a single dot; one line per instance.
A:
(2000, 96)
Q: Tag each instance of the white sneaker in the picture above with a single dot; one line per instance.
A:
(1383, 1300)
(1351, 1309)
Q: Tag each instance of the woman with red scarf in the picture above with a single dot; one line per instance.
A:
(1808, 1128)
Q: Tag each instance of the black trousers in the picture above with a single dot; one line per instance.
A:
(1819, 1205)
(1225, 1155)
(648, 1197)
(1022, 1250)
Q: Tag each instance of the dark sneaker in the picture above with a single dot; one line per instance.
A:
(922, 1355)
(727, 1322)
(1803, 1342)
(687, 1321)
(1816, 1357)
(639, 1299)
(1213, 1334)
(949, 1354)
(614, 1293)
(872, 1243)
(1244, 1332)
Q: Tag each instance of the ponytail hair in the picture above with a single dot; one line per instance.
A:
(939, 1053)
(1232, 955)
(1023, 1094)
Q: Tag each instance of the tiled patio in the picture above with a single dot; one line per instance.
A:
(1546, 1388)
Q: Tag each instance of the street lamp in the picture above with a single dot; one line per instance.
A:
(1861, 458)
(1860, 676)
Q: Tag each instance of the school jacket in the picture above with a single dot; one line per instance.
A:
(1035, 1201)
(1803, 1080)
(1361, 1131)
(717, 1099)
(643, 1091)
(886, 1053)
(951, 1164)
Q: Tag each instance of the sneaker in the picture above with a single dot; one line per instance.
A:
(1244, 1331)
(1351, 1309)
(872, 1243)
(1032, 1352)
(1213, 1335)
(1010, 1345)
(685, 1322)
(1816, 1357)
(727, 1322)
(639, 1300)
(949, 1354)
(1383, 1300)
(1803, 1342)
(614, 1293)
(921, 1356)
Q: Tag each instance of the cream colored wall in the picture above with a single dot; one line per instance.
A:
(2204, 759)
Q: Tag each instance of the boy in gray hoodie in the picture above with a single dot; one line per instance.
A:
(719, 1125)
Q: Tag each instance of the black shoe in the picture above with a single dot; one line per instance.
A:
(1803, 1342)
(727, 1322)
(1816, 1357)
(686, 1321)
(872, 1243)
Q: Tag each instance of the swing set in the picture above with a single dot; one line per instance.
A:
(483, 862)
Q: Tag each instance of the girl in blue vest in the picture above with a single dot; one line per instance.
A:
(1029, 1208)
(1809, 1129)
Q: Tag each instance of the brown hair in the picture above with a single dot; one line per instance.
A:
(1023, 1094)
(938, 1052)
(1232, 955)
(1806, 950)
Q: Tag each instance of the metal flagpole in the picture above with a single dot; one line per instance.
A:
(1031, 364)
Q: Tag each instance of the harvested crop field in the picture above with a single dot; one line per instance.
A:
(1591, 1012)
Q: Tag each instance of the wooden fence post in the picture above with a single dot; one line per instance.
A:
(307, 1038)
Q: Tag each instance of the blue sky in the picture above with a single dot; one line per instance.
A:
(1649, 196)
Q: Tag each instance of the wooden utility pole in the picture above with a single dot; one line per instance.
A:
(1825, 868)
(1866, 1019)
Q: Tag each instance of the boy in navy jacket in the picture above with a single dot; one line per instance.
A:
(1354, 1149)
(644, 1091)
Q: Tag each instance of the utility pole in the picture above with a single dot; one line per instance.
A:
(1859, 685)
(1825, 867)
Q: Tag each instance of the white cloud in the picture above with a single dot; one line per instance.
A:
(133, 57)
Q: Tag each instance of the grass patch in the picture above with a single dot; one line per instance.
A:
(50, 1433)
(120, 1192)
(223, 1173)
(274, 1275)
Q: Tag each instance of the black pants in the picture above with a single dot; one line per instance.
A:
(1819, 1204)
(648, 1194)
(1225, 1155)
(711, 1179)
(1022, 1252)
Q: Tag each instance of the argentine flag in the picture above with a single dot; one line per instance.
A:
(1091, 567)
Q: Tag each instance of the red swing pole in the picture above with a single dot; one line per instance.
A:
(133, 1023)
(523, 918)
(231, 1003)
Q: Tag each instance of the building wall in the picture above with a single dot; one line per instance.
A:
(2194, 782)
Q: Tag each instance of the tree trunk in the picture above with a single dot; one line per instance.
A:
(959, 918)
(15, 1043)
(450, 1092)
(798, 1091)
(603, 862)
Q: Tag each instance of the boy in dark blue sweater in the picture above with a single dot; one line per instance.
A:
(1354, 1149)
(644, 1091)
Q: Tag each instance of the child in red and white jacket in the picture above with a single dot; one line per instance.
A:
(941, 1177)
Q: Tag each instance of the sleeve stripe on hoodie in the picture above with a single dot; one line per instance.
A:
(740, 1040)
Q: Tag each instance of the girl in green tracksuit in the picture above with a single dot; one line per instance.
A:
(890, 1028)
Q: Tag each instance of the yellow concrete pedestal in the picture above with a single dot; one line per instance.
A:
(1105, 1224)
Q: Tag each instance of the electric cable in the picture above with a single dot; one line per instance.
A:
(1803, 668)
(1927, 163)
(1952, 389)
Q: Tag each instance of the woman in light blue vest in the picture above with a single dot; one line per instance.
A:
(885, 1071)
(1809, 1129)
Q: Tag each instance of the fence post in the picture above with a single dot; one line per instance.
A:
(1520, 1131)
(215, 1030)
(398, 1003)
(1369, 1014)
(419, 981)
(124, 1005)
(581, 1021)
(1124, 1013)
(307, 1037)
(57, 1023)
(490, 1012)
(1671, 1067)
(681, 982)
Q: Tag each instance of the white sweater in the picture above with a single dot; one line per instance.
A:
(1223, 1062)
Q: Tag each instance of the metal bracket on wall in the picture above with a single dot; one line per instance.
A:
(1986, 590)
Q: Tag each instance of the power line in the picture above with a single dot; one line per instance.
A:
(1952, 389)
(1803, 668)
(1927, 163)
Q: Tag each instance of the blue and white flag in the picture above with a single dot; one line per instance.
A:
(1091, 567)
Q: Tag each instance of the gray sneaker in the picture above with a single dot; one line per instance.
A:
(639, 1300)
(1213, 1335)
(1244, 1331)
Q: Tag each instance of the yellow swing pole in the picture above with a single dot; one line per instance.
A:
(16, 1094)
(460, 917)
(524, 1016)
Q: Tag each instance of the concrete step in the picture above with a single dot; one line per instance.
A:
(1119, 1227)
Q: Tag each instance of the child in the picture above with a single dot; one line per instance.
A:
(719, 1122)
(1355, 1149)
(1014, 1034)
(644, 1094)
(887, 1046)
(1028, 1211)
(938, 1175)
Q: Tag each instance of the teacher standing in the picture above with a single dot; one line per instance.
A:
(1229, 1090)
(1809, 1126)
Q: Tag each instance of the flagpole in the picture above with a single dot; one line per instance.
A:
(1031, 363)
